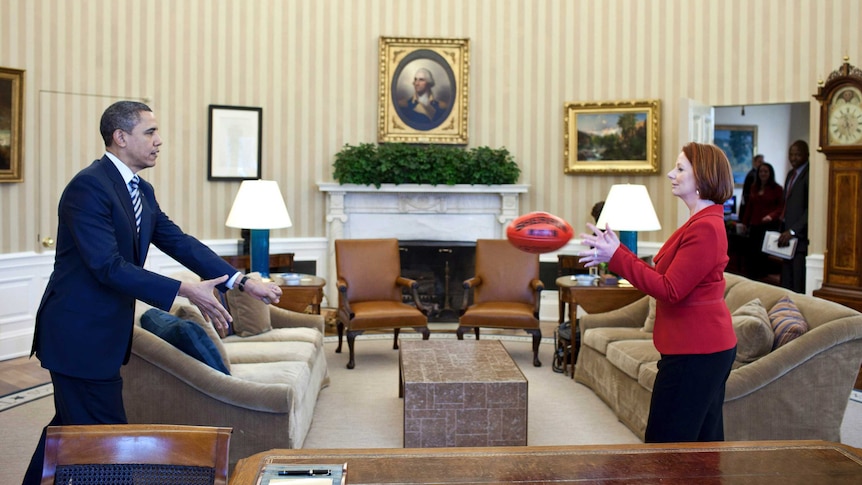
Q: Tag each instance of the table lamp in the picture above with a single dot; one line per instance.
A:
(628, 209)
(259, 207)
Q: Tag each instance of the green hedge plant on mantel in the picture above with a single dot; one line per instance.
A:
(403, 163)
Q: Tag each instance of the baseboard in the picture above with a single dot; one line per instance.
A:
(856, 395)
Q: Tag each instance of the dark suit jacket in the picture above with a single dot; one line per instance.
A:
(84, 323)
(796, 209)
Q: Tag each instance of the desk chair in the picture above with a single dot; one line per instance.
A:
(370, 291)
(506, 292)
(136, 453)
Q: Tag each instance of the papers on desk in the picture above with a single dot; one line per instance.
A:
(770, 245)
(302, 474)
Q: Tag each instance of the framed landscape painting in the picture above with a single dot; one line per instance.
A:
(423, 90)
(612, 137)
(739, 143)
(11, 124)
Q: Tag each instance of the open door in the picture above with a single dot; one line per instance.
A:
(696, 123)
(69, 140)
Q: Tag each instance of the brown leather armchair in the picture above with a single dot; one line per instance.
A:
(506, 292)
(370, 291)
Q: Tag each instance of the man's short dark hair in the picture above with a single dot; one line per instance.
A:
(123, 115)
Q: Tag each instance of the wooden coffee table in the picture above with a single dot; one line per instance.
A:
(461, 393)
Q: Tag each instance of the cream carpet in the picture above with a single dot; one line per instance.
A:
(361, 408)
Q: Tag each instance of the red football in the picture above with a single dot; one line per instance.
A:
(539, 232)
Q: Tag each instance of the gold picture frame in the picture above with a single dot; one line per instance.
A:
(11, 124)
(441, 116)
(613, 137)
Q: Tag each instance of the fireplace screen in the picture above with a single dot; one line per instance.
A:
(440, 269)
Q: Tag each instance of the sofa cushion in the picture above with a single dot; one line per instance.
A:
(787, 322)
(629, 355)
(250, 315)
(649, 324)
(298, 334)
(599, 338)
(646, 375)
(753, 331)
(191, 313)
(259, 352)
(184, 335)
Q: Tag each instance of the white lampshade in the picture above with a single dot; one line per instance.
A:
(258, 205)
(628, 208)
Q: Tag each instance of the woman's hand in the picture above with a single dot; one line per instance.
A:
(603, 245)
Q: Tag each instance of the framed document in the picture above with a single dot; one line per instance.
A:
(770, 246)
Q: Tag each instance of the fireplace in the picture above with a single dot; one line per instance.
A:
(435, 225)
(439, 268)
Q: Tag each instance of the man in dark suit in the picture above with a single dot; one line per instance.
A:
(108, 217)
(795, 217)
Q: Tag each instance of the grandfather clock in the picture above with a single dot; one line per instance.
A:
(841, 141)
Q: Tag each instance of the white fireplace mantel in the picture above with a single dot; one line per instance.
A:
(418, 212)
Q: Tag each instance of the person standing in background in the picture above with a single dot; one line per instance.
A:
(761, 214)
(794, 220)
(693, 328)
(108, 217)
(750, 178)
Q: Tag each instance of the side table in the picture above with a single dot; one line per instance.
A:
(300, 291)
(593, 299)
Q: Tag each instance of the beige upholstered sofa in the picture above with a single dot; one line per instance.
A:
(799, 390)
(268, 398)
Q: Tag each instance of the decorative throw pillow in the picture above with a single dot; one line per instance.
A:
(184, 335)
(649, 324)
(250, 315)
(787, 322)
(753, 331)
(191, 313)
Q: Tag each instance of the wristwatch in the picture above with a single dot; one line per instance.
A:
(791, 231)
(241, 284)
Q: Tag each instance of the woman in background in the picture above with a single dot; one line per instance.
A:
(762, 213)
(693, 330)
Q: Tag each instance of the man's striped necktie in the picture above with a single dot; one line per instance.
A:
(136, 201)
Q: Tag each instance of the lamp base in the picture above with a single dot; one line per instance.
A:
(260, 252)
(629, 239)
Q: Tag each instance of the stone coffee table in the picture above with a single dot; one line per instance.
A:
(461, 393)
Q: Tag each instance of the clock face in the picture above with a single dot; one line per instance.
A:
(845, 117)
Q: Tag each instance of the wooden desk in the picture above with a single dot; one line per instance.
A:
(772, 462)
(298, 294)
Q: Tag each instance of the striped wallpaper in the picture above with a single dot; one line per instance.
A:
(312, 66)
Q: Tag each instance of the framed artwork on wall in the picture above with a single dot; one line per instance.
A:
(612, 137)
(11, 124)
(739, 143)
(423, 90)
(234, 143)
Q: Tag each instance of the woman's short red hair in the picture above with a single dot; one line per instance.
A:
(712, 174)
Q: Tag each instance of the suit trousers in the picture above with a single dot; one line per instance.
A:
(79, 401)
(688, 396)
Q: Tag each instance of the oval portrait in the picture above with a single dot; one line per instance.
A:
(423, 88)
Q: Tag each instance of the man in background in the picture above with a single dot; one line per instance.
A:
(795, 217)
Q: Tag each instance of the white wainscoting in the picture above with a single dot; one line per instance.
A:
(23, 277)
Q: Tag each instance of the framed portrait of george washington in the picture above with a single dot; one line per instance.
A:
(612, 137)
(423, 90)
(11, 124)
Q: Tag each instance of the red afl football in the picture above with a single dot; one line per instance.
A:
(539, 232)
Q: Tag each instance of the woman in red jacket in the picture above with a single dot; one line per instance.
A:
(693, 330)
(762, 213)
